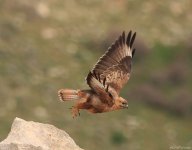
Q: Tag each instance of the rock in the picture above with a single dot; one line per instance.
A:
(31, 135)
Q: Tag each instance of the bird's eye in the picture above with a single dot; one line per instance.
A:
(110, 95)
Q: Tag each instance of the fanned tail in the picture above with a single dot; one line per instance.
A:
(68, 94)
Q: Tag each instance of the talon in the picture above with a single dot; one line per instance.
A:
(75, 112)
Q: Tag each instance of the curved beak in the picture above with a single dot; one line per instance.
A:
(125, 105)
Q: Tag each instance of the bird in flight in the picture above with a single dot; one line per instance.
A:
(106, 79)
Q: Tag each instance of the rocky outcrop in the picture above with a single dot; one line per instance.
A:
(31, 135)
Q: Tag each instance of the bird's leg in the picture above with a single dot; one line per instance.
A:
(75, 111)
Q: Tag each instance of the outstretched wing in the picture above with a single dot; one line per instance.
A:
(113, 69)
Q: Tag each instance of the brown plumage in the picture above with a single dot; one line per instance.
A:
(106, 79)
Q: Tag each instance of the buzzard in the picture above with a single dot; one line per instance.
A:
(106, 79)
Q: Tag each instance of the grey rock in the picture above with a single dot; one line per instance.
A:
(29, 135)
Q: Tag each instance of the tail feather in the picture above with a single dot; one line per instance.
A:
(68, 94)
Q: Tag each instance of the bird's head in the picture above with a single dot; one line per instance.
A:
(121, 103)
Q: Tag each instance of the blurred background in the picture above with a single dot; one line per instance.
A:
(46, 45)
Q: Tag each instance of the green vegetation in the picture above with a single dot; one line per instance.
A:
(48, 45)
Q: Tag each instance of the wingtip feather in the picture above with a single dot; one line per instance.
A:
(132, 40)
(133, 52)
